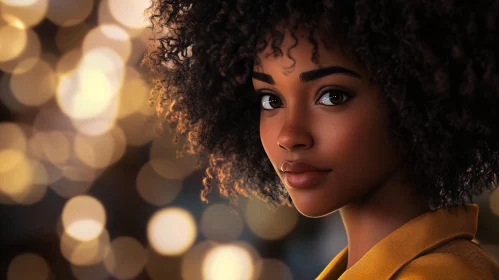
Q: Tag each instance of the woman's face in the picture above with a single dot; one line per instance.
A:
(329, 116)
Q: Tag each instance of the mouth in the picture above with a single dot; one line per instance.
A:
(303, 180)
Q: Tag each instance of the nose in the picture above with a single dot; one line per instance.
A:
(295, 134)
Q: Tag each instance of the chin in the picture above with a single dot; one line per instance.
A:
(314, 210)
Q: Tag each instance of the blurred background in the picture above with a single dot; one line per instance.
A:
(89, 187)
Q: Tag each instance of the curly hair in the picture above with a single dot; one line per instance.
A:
(435, 61)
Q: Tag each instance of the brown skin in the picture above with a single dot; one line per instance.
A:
(314, 125)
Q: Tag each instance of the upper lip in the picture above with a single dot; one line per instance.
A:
(299, 167)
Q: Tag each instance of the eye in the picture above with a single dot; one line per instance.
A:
(334, 97)
(269, 101)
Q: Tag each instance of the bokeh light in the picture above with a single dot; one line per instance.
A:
(28, 12)
(109, 36)
(28, 266)
(219, 223)
(124, 11)
(14, 40)
(85, 253)
(68, 13)
(83, 218)
(126, 258)
(156, 189)
(164, 161)
(267, 224)
(228, 262)
(171, 231)
(273, 269)
(192, 261)
(80, 99)
(18, 52)
(35, 86)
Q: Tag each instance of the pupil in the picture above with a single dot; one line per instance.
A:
(273, 101)
(335, 98)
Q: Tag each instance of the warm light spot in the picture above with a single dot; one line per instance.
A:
(193, 259)
(28, 266)
(102, 150)
(171, 231)
(68, 62)
(273, 269)
(156, 189)
(130, 12)
(14, 40)
(95, 151)
(134, 95)
(18, 54)
(50, 118)
(13, 20)
(109, 36)
(99, 124)
(77, 171)
(16, 183)
(104, 16)
(35, 86)
(68, 13)
(119, 143)
(138, 129)
(37, 187)
(84, 218)
(163, 158)
(85, 253)
(84, 100)
(228, 262)
(13, 137)
(68, 188)
(175, 169)
(267, 224)
(126, 258)
(55, 146)
(20, 3)
(87, 92)
(10, 158)
(29, 12)
(219, 223)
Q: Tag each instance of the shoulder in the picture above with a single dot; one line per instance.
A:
(458, 259)
(443, 266)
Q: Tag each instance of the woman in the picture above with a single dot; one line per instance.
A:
(385, 111)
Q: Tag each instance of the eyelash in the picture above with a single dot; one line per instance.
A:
(327, 90)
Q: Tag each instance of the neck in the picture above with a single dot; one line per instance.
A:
(368, 222)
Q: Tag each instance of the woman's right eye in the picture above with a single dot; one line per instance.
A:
(269, 101)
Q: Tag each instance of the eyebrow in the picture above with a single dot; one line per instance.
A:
(310, 75)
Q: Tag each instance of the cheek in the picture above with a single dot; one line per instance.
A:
(267, 137)
(361, 149)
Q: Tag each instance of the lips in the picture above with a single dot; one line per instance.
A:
(299, 174)
(300, 167)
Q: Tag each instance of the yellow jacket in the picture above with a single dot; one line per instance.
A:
(435, 245)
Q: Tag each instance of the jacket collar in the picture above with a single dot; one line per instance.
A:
(416, 237)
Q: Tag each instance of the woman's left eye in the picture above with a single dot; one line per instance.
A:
(334, 97)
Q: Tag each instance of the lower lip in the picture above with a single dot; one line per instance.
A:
(305, 179)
